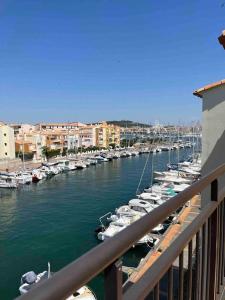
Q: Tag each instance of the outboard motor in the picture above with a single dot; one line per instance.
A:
(29, 278)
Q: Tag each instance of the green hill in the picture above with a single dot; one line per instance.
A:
(128, 123)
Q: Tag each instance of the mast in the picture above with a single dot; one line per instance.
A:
(67, 150)
(178, 150)
(169, 154)
(23, 153)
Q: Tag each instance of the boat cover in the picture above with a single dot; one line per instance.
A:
(29, 277)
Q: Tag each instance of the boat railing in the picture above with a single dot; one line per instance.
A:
(199, 276)
(104, 217)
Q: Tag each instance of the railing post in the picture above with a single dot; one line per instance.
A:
(213, 239)
(113, 281)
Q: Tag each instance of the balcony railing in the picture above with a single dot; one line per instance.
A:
(203, 238)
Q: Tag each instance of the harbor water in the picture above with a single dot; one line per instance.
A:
(54, 221)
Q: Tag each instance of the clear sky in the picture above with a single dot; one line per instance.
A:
(91, 60)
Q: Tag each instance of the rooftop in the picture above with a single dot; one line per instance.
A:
(208, 87)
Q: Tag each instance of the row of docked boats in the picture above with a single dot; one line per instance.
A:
(13, 180)
(165, 185)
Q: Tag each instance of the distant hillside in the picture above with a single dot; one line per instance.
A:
(127, 123)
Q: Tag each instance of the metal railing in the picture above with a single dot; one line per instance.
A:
(203, 238)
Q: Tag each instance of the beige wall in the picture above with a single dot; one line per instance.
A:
(7, 142)
(213, 133)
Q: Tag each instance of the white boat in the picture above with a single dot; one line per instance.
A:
(72, 166)
(64, 165)
(180, 187)
(30, 279)
(116, 155)
(80, 165)
(165, 148)
(113, 229)
(172, 179)
(23, 177)
(8, 183)
(101, 159)
(150, 196)
(92, 161)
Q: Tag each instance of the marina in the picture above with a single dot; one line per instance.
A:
(80, 198)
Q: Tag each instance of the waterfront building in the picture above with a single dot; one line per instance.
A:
(88, 136)
(73, 141)
(55, 139)
(7, 142)
(30, 142)
(59, 126)
(22, 128)
(107, 135)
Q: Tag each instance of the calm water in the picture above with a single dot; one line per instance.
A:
(55, 219)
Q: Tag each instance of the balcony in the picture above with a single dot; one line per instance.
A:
(191, 267)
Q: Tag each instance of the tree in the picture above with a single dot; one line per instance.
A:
(44, 151)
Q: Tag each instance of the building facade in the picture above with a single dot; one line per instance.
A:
(213, 130)
(7, 142)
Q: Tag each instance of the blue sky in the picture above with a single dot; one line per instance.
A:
(91, 60)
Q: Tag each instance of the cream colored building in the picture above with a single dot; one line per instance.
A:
(30, 142)
(7, 142)
(88, 136)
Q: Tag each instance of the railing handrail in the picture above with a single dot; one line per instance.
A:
(162, 264)
(83, 269)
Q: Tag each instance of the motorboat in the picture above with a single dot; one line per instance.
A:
(37, 175)
(172, 179)
(110, 231)
(64, 165)
(101, 159)
(150, 196)
(80, 165)
(8, 183)
(23, 177)
(113, 229)
(30, 279)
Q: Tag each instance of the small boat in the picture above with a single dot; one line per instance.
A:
(80, 165)
(100, 158)
(8, 183)
(30, 279)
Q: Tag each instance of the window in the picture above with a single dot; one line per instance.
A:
(4, 134)
(6, 153)
(5, 144)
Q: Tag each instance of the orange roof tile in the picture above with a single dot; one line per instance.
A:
(208, 87)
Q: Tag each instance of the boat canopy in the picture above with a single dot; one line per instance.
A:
(138, 202)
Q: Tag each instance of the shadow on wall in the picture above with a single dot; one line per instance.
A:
(215, 97)
(215, 159)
